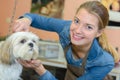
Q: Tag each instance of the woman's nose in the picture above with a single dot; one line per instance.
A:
(79, 29)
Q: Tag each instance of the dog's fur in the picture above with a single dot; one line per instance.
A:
(23, 45)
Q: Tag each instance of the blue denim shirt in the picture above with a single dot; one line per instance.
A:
(99, 61)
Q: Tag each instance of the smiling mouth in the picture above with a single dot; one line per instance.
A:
(76, 37)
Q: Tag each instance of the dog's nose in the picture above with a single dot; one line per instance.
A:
(31, 44)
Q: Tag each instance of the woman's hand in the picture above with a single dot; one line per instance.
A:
(22, 24)
(34, 64)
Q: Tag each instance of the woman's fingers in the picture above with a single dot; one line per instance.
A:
(31, 63)
(21, 25)
(36, 63)
(25, 63)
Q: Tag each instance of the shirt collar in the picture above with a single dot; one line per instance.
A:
(94, 50)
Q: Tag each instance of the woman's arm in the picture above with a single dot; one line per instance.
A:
(40, 22)
(45, 23)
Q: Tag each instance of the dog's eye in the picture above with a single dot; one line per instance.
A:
(23, 41)
(34, 41)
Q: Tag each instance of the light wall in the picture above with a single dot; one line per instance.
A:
(23, 6)
(6, 11)
(71, 7)
(113, 36)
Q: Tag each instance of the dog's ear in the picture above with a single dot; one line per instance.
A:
(1, 44)
(5, 52)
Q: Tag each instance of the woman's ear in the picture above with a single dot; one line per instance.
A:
(99, 32)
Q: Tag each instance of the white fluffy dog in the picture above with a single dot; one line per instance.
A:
(23, 45)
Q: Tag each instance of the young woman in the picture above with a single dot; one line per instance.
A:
(88, 54)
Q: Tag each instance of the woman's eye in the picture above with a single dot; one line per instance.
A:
(23, 41)
(34, 41)
(76, 21)
(89, 27)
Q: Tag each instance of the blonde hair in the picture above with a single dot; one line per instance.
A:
(97, 8)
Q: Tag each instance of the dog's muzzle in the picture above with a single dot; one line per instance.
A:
(31, 44)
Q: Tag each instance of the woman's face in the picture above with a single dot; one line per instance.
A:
(84, 28)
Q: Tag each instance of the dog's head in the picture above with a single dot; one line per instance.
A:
(23, 45)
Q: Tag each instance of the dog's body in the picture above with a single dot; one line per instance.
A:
(23, 45)
(10, 72)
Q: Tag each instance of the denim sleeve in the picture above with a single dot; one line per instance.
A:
(96, 73)
(47, 76)
(45, 23)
